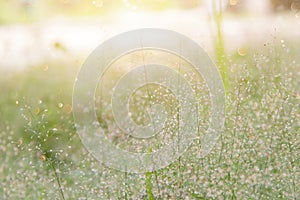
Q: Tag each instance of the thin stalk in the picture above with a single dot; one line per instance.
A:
(58, 180)
(157, 184)
(219, 42)
(178, 136)
(149, 186)
(126, 181)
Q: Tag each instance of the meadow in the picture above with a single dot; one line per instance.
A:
(256, 157)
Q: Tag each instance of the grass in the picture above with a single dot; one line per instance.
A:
(218, 39)
(26, 11)
(12, 12)
(257, 156)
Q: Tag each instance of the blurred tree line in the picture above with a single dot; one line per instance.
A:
(22, 11)
(275, 5)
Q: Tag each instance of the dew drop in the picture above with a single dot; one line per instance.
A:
(60, 105)
(242, 51)
(42, 157)
(20, 142)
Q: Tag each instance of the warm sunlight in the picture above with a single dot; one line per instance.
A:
(149, 99)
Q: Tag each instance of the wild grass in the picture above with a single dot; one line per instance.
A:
(218, 39)
(257, 156)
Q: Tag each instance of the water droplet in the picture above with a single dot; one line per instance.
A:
(60, 105)
(282, 43)
(42, 157)
(242, 51)
(20, 142)
(17, 102)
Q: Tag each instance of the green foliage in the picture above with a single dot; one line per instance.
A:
(257, 156)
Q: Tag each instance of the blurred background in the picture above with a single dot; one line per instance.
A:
(32, 31)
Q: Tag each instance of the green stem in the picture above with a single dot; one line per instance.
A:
(149, 186)
(219, 44)
(57, 180)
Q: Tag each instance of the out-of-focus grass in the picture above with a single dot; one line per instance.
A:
(257, 156)
(26, 11)
(22, 11)
(219, 42)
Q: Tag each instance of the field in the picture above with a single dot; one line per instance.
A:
(257, 156)
(42, 155)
